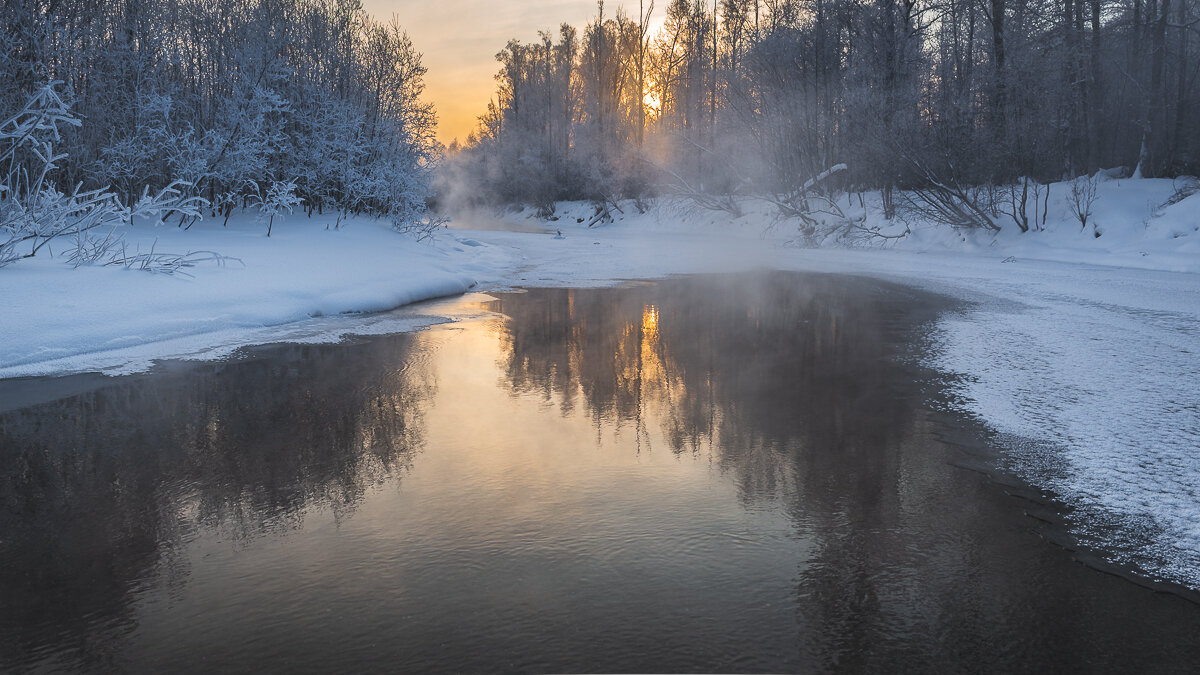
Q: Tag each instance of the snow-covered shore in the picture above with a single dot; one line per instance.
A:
(1081, 351)
(59, 320)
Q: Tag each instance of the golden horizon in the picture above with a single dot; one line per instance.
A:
(459, 40)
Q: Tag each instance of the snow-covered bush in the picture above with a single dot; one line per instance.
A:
(1017, 205)
(249, 139)
(167, 263)
(278, 197)
(949, 203)
(1081, 198)
(1185, 186)
(228, 97)
(134, 157)
(34, 212)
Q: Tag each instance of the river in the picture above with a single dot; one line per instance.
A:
(728, 473)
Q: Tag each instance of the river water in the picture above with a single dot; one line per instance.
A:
(701, 474)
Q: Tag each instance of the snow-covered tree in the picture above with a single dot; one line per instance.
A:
(34, 212)
(763, 95)
(227, 95)
(273, 199)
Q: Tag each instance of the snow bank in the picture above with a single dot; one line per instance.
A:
(1138, 228)
(1093, 378)
(114, 319)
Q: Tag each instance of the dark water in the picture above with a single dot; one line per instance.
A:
(708, 474)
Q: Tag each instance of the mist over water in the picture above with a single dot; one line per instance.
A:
(700, 474)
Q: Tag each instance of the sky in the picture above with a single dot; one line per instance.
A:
(459, 40)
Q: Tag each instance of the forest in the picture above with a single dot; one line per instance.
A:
(962, 112)
(119, 109)
(960, 109)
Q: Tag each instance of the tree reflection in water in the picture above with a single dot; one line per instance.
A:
(782, 377)
(101, 488)
(807, 391)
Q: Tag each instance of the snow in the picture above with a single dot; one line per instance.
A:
(1095, 381)
(120, 320)
(1080, 352)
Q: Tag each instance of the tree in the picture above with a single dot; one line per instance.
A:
(757, 98)
(226, 95)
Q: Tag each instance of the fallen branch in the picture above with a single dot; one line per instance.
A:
(169, 263)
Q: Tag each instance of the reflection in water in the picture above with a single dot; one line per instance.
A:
(737, 474)
(101, 489)
(804, 395)
(767, 371)
(797, 390)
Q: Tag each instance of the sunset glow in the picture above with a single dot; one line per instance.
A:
(653, 104)
(459, 40)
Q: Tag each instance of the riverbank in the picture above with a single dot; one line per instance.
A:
(59, 320)
(112, 319)
(1088, 371)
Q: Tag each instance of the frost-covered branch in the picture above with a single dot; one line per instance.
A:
(34, 212)
(278, 198)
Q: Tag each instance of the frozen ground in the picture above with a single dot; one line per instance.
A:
(1082, 352)
(117, 320)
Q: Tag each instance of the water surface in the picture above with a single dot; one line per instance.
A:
(701, 474)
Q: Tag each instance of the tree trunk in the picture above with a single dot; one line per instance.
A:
(1096, 93)
(1156, 124)
(999, 93)
(1181, 89)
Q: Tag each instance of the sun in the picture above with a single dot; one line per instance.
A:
(652, 102)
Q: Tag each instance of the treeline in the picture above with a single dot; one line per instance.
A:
(774, 96)
(237, 102)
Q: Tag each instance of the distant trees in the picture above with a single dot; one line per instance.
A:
(736, 96)
(526, 137)
(235, 98)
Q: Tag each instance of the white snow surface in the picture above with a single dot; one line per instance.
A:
(286, 287)
(1082, 353)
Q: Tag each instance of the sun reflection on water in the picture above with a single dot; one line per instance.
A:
(650, 324)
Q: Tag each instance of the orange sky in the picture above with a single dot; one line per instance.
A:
(460, 38)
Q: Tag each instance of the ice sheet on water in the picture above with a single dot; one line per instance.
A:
(1111, 395)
